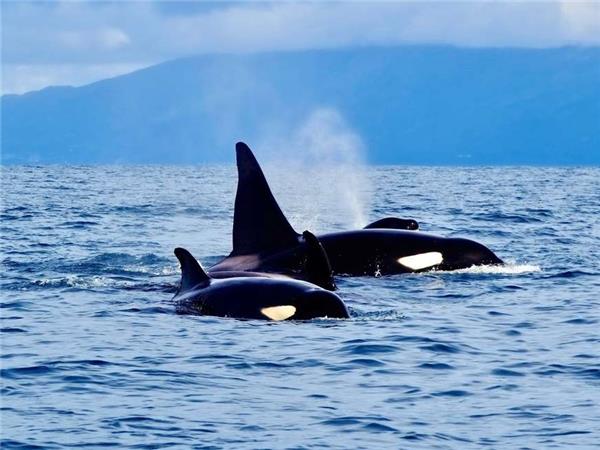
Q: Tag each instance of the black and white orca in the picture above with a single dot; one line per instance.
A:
(252, 295)
(264, 240)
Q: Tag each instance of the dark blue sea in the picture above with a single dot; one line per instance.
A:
(94, 355)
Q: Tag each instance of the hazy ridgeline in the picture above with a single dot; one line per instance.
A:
(415, 105)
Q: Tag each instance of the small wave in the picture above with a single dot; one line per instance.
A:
(452, 393)
(168, 270)
(505, 269)
(31, 371)
(515, 218)
(76, 282)
(387, 315)
(120, 259)
(571, 274)
(78, 223)
(436, 366)
(95, 282)
(507, 373)
(22, 445)
(367, 349)
(441, 348)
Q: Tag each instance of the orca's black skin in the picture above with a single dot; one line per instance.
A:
(394, 223)
(264, 240)
(376, 252)
(308, 261)
(251, 296)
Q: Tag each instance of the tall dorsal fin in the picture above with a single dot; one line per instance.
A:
(192, 273)
(317, 268)
(259, 226)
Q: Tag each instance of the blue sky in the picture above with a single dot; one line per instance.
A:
(73, 43)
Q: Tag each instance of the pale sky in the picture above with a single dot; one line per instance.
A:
(75, 42)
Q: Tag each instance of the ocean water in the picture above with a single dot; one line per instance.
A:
(93, 354)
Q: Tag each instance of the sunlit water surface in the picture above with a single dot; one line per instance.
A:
(93, 354)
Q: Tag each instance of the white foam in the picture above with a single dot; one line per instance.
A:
(170, 270)
(167, 270)
(507, 269)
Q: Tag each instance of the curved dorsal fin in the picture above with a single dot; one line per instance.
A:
(317, 268)
(394, 223)
(259, 226)
(192, 273)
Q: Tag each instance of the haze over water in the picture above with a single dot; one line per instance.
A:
(93, 354)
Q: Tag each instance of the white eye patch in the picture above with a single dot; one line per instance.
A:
(279, 312)
(421, 260)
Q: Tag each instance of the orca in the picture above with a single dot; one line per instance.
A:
(264, 240)
(252, 295)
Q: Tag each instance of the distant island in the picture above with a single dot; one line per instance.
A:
(430, 105)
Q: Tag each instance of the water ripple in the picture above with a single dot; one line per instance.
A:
(94, 354)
